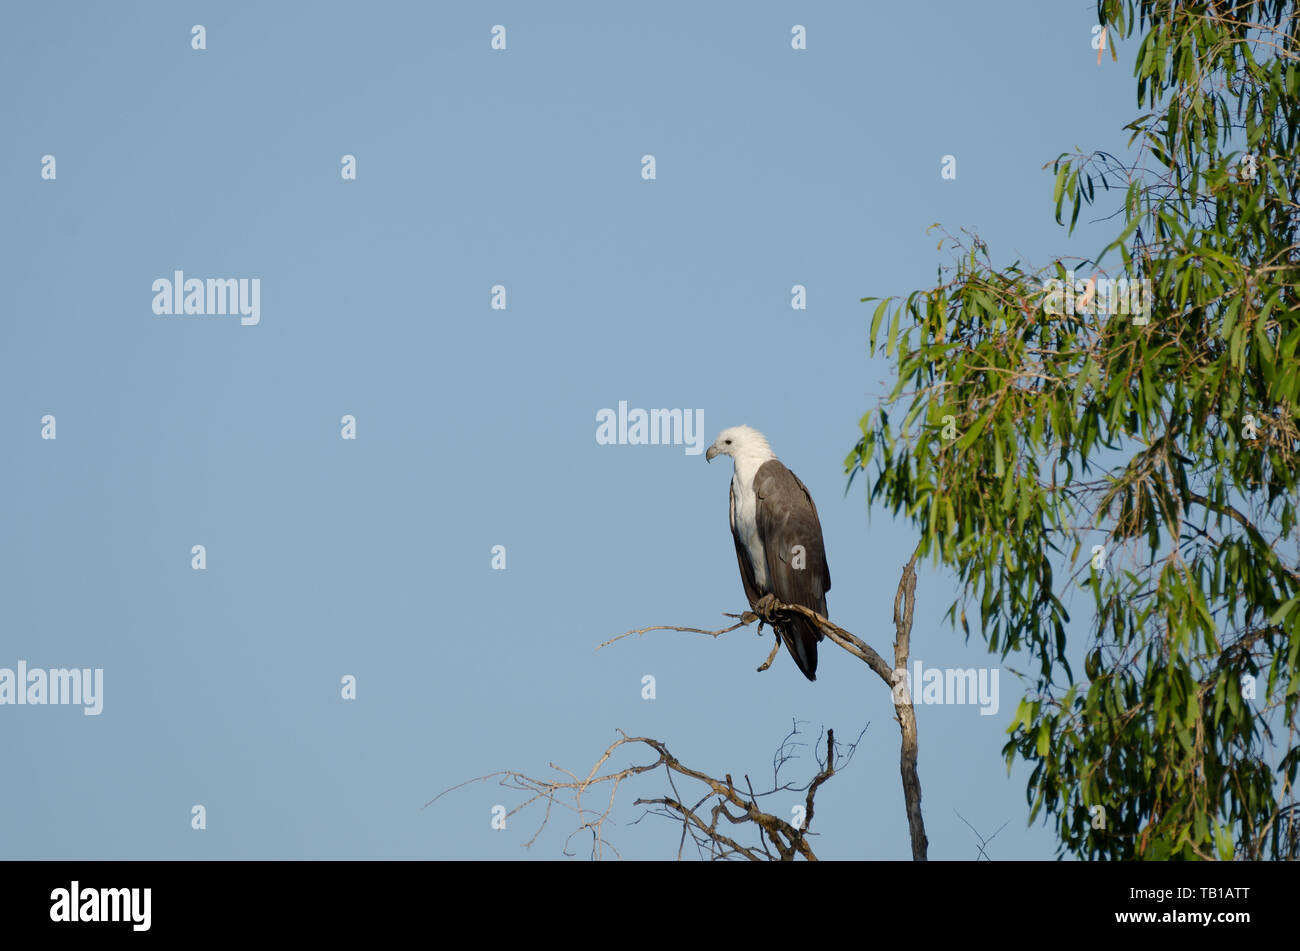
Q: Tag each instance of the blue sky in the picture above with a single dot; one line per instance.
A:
(476, 427)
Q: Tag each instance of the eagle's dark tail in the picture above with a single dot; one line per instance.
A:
(801, 636)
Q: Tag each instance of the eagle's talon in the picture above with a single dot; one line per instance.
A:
(765, 607)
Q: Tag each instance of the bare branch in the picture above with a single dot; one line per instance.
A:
(904, 603)
(771, 611)
(720, 800)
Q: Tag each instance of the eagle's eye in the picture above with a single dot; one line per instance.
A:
(728, 442)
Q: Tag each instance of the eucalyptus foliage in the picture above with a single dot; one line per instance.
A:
(1017, 440)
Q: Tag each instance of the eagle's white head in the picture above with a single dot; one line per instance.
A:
(744, 444)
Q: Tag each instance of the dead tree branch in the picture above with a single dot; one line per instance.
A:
(721, 799)
(904, 603)
(769, 610)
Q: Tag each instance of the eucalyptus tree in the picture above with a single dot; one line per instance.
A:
(1131, 434)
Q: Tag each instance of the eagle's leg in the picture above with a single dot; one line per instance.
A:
(772, 656)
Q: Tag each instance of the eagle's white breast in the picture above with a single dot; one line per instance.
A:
(744, 518)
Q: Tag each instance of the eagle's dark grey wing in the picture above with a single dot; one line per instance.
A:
(825, 571)
(791, 534)
(746, 569)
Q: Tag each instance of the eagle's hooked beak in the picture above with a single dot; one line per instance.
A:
(713, 451)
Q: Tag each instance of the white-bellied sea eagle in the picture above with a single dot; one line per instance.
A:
(778, 538)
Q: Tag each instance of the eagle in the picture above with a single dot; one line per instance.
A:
(778, 538)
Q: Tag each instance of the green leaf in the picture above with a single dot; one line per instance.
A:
(876, 318)
(1281, 613)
